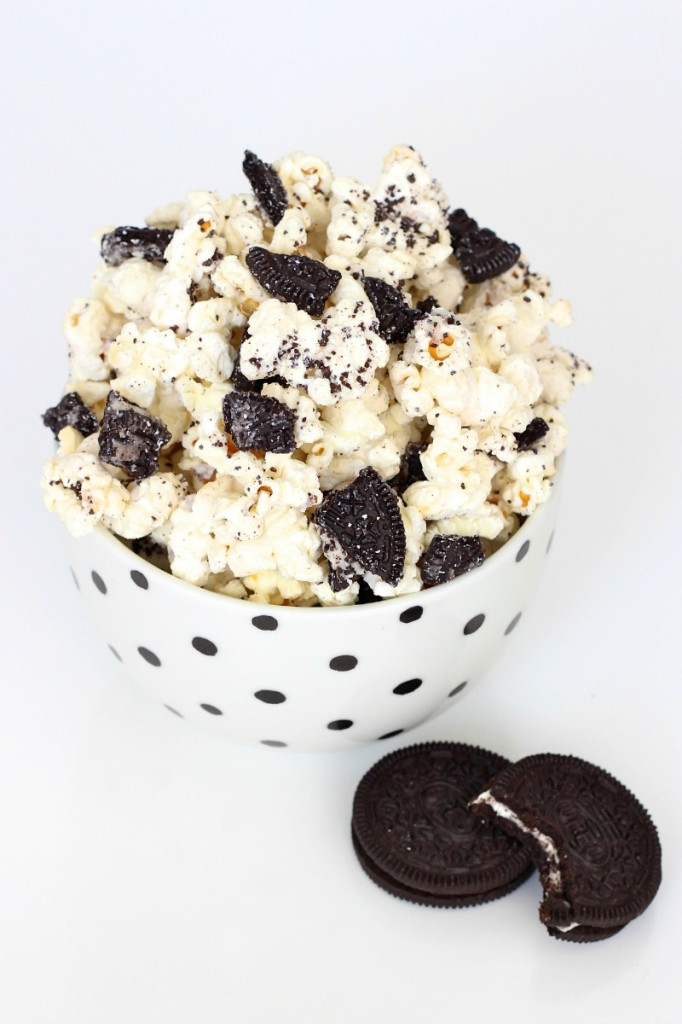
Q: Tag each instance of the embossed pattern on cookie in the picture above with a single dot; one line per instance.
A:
(267, 186)
(298, 279)
(595, 846)
(362, 531)
(415, 836)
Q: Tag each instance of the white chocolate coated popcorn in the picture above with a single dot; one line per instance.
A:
(448, 415)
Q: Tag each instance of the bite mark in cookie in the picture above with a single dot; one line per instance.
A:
(595, 846)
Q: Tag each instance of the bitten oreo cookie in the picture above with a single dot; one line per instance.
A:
(415, 836)
(595, 846)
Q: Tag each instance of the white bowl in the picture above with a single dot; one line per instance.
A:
(307, 678)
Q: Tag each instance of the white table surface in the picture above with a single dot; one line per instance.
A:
(150, 874)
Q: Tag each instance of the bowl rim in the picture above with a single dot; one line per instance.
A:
(432, 595)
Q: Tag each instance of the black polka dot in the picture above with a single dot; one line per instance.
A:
(173, 710)
(78, 586)
(412, 614)
(265, 622)
(270, 696)
(339, 724)
(149, 656)
(523, 551)
(99, 582)
(513, 624)
(408, 687)
(474, 624)
(273, 743)
(139, 579)
(204, 646)
(457, 689)
(115, 653)
(343, 663)
(549, 544)
(212, 710)
(389, 735)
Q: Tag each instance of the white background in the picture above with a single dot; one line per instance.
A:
(153, 875)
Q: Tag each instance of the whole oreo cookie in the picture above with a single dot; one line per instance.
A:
(415, 836)
(595, 846)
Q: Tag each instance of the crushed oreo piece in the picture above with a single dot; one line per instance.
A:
(298, 279)
(366, 595)
(362, 521)
(152, 552)
(411, 469)
(534, 432)
(242, 383)
(396, 318)
(71, 411)
(146, 243)
(480, 253)
(459, 225)
(259, 423)
(450, 556)
(131, 439)
(483, 255)
(267, 186)
(427, 305)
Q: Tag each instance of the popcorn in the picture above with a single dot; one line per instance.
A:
(368, 324)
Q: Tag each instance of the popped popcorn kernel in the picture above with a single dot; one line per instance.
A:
(358, 341)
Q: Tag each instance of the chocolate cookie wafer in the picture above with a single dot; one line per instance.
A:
(415, 836)
(595, 846)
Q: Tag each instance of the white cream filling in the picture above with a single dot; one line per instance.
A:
(546, 842)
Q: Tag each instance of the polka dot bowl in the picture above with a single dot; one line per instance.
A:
(307, 678)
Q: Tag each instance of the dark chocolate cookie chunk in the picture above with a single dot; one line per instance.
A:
(534, 432)
(415, 836)
(411, 470)
(450, 556)
(71, 411)
(146, 243)
(362, 529)
(131, 439)
(267, 186)
(482, 255)
(479, 251)
(460, 224)
(366, 595)
(298, 279)
(427, 305)
(396, 318)
(244, 383)
(259, 423)
(595, 846)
